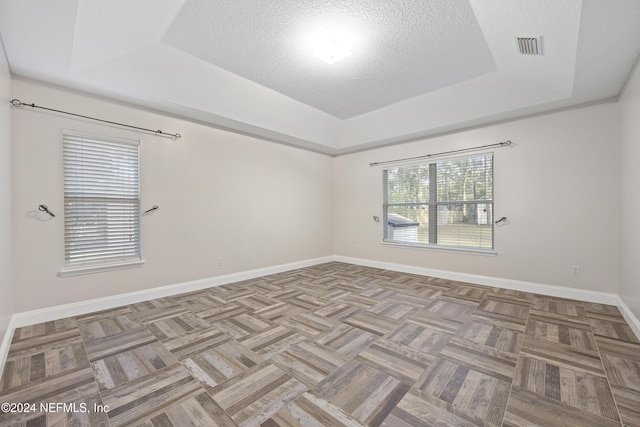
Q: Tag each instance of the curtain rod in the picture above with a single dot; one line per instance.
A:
(461, 150)
(174, 136)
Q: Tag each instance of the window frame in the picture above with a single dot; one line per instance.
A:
(105, 264)
(433, 207)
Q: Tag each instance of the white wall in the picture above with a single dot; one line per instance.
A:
(253, 203)
(258, 204)
(630, 202)
(6, 288)
(558, 185)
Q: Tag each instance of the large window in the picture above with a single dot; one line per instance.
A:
(446, 203)
(101, 203)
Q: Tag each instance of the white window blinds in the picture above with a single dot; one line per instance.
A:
(101, 201)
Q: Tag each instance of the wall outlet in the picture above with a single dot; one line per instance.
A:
(219, 261)
(575, 270)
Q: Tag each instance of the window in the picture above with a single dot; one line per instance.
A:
(101, 203)
(446, 203)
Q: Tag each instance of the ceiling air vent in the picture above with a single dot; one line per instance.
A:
(529, 45)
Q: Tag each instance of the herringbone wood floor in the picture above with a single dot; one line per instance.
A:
(331, 345)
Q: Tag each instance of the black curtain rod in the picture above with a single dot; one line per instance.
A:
(17, 103)
(461, 150)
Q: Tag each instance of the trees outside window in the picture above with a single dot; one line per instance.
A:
(450, 200)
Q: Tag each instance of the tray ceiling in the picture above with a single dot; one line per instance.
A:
(418, 67)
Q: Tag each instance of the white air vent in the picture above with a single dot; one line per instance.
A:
(529, 45)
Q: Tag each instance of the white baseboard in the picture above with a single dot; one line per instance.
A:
(89, 306)
(85, 307)
(518, 285)
(106, 303)
(628, 315)
(6, 343)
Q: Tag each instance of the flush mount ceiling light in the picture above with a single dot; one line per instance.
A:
(331, 46)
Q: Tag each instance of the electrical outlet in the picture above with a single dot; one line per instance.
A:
(575, 270)
(219, 261)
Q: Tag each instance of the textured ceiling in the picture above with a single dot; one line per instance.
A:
(404, 49)
(418, 68)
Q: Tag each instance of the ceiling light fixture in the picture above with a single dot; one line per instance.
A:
(331, 46)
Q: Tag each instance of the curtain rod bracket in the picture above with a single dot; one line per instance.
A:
(173, 136)
(44, 208)
(151, 210)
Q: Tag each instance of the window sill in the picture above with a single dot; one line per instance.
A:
(472, 251)
(89, 269)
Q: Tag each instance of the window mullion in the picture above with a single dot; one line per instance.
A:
(433, 203)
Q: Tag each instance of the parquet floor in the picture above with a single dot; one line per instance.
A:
(331, 345)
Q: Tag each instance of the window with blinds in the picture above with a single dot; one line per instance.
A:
(101, 201)
(446, 203)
